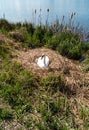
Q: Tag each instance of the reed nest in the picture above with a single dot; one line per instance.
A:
(72, 75)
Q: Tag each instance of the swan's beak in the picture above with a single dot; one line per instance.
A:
(42, 56)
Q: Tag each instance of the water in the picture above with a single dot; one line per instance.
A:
(23, 10)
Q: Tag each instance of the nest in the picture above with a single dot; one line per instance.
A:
(72, 75)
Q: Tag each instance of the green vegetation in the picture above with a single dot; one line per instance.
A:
(5, 114)
(67, 42)
(39, 103)
(4, 51)
(85, 65)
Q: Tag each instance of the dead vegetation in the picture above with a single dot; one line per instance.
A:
(73, 77)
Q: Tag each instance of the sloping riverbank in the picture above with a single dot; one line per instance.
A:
(34, 98)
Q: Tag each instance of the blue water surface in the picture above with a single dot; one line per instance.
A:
(36, 10)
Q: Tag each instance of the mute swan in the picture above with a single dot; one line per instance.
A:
(43, 61)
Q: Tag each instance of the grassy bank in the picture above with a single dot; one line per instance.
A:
(65, 39)
(33, 102)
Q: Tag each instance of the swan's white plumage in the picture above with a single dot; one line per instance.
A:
(43, 61)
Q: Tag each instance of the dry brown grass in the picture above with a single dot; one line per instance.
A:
(73, 77)
(4, 39)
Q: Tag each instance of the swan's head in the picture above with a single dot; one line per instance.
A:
(43, 55)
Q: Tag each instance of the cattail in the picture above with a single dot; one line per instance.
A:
(35, 11)
(40, 10)
(71, 15)
(63, 18)
(74, 13)
(47, 10)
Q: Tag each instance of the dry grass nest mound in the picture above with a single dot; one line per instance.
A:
(72, 74)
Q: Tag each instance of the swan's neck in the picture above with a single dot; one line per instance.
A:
(44, 60)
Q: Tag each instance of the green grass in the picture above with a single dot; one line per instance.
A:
(5, 114)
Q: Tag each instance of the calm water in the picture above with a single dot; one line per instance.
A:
(23, 10)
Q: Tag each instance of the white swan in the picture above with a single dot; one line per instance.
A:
(43, 61)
